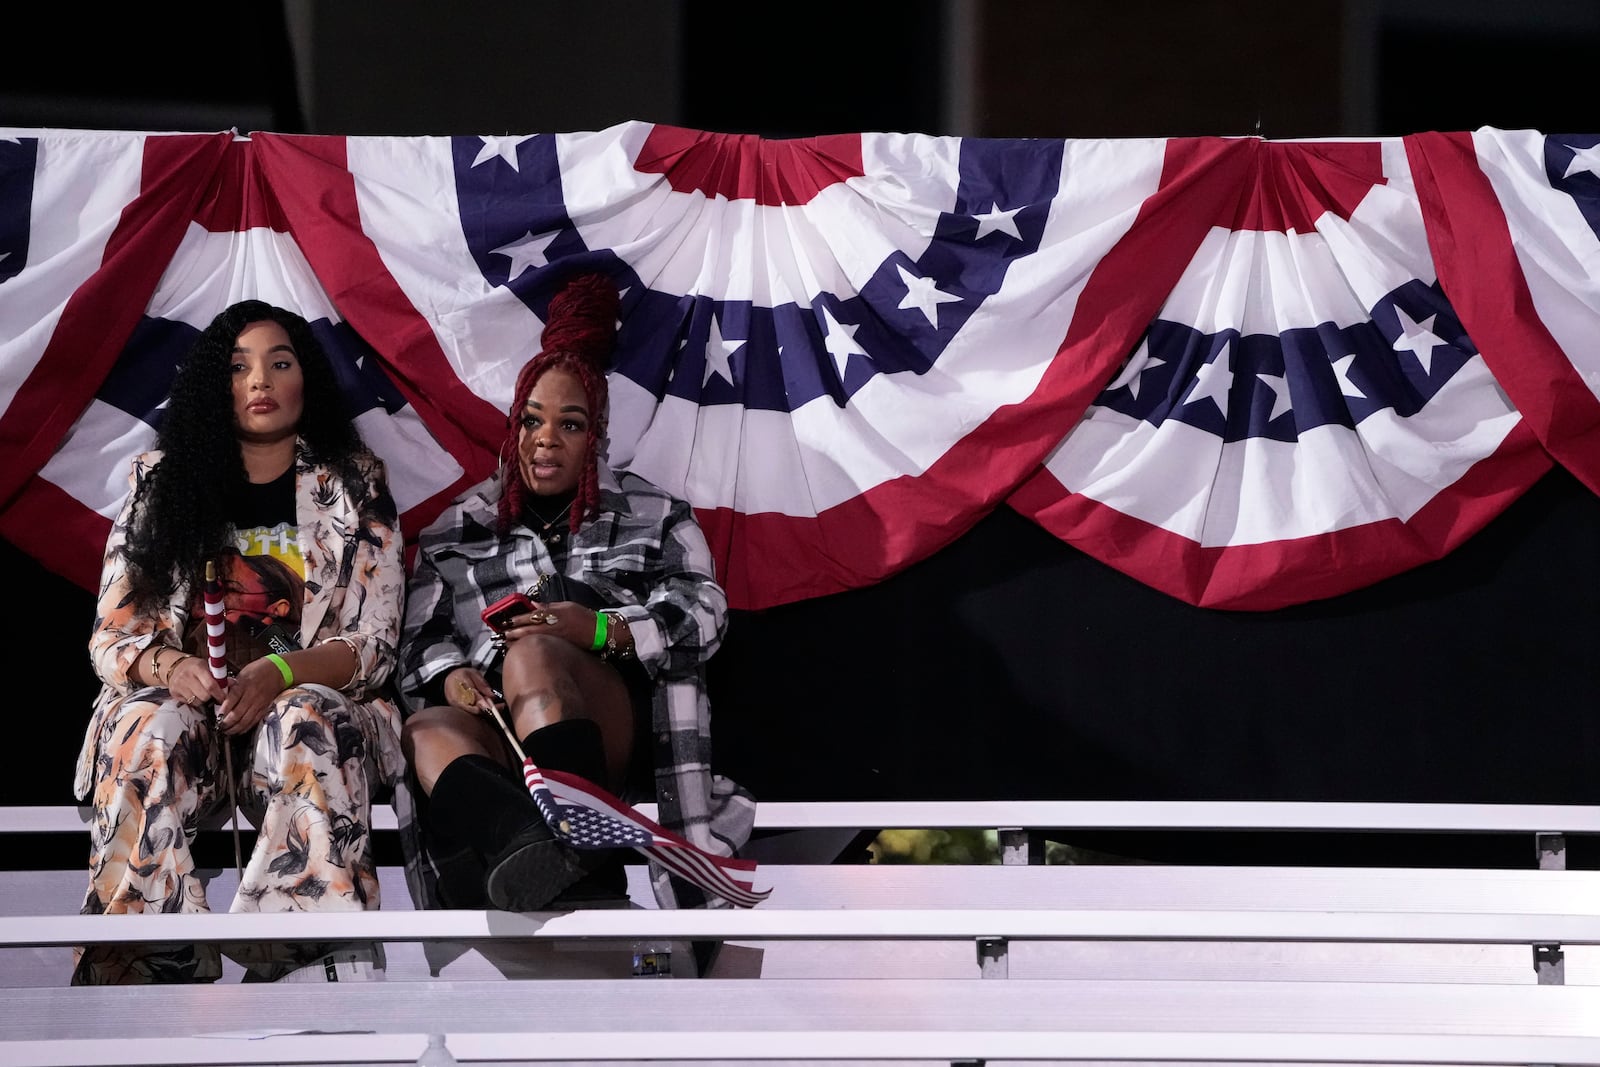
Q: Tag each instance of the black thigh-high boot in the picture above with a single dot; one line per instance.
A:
(478, 800)
(577, 747)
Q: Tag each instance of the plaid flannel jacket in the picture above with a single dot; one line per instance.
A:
(646, 556)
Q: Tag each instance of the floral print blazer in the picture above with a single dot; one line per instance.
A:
(355, 584)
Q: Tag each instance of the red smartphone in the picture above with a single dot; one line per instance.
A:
(497, 616)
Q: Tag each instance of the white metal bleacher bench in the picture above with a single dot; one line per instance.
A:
(1369, 993)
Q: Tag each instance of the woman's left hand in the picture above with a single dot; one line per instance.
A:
(250, 693)
(565, 619)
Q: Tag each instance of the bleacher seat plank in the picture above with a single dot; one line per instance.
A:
(768, 923)
(1107, 887)
(1265, 963)
(1049, 814)
(812, 1020)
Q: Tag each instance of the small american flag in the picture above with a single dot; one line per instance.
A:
(587, 817)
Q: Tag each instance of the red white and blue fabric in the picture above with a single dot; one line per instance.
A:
(133, 244)
(1248, 373)
(588, 817)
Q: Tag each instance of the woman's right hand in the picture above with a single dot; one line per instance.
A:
(466, 689)
(190, 682)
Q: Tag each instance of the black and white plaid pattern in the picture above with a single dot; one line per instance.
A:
(645, 554)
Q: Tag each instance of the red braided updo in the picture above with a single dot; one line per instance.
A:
(580, 333)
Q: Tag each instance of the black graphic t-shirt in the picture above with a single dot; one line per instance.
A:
(262, 575)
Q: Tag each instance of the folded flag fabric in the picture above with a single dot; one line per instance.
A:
(588, 817)
(1305, 414)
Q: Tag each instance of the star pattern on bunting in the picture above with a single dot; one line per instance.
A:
(1341, 371)
(1417, 338)
(528, 251)
(1133, 371)
(17, 163)
(900, 314)
(1583, 159)
(1213, 380)
(719, 352)
(503, 147)
(996, 220)
(1278, 385)
(1320, 375)
(925, 295)
(840, 340)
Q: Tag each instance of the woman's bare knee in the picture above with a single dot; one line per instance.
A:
(433, 737)
(540, 683)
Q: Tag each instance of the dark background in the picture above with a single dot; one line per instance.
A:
(1009, 664)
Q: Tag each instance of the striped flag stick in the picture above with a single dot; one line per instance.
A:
(217, 657)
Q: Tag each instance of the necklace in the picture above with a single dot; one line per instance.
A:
(546, 530)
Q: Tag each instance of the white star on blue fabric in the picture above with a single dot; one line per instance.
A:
(1133, 371)
(840, 340)
(1583, 159)
(924, 295)
(1341, 370)
(1418, 338)
(1213, 380)
(719, 351)
(1280, 393)
(526, 251)
(504, 147)
(997, 221)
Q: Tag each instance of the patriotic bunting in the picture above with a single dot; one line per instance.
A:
(1247, 373)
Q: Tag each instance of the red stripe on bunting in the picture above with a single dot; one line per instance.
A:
(236, 199)
(311, 179)
(58, 531)
(1280, 574)
(867, 538)
(1295, 184)
(101, 314)
(748, 167)
(1477, 263)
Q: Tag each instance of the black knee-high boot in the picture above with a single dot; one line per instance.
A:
(578, 747)
(572, 745)
(478, 801)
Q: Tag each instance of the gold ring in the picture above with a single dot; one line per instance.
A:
(468, 692)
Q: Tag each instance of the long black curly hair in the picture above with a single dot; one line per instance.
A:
(182, 515)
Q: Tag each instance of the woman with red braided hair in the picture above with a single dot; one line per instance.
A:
(601, 670)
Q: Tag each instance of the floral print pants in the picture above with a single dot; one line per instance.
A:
(305, 779)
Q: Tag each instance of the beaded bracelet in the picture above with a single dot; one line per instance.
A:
(613, 650)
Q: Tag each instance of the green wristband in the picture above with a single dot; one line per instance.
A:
(601, 621)
(283, 669)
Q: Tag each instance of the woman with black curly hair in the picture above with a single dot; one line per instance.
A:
(256, 456)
